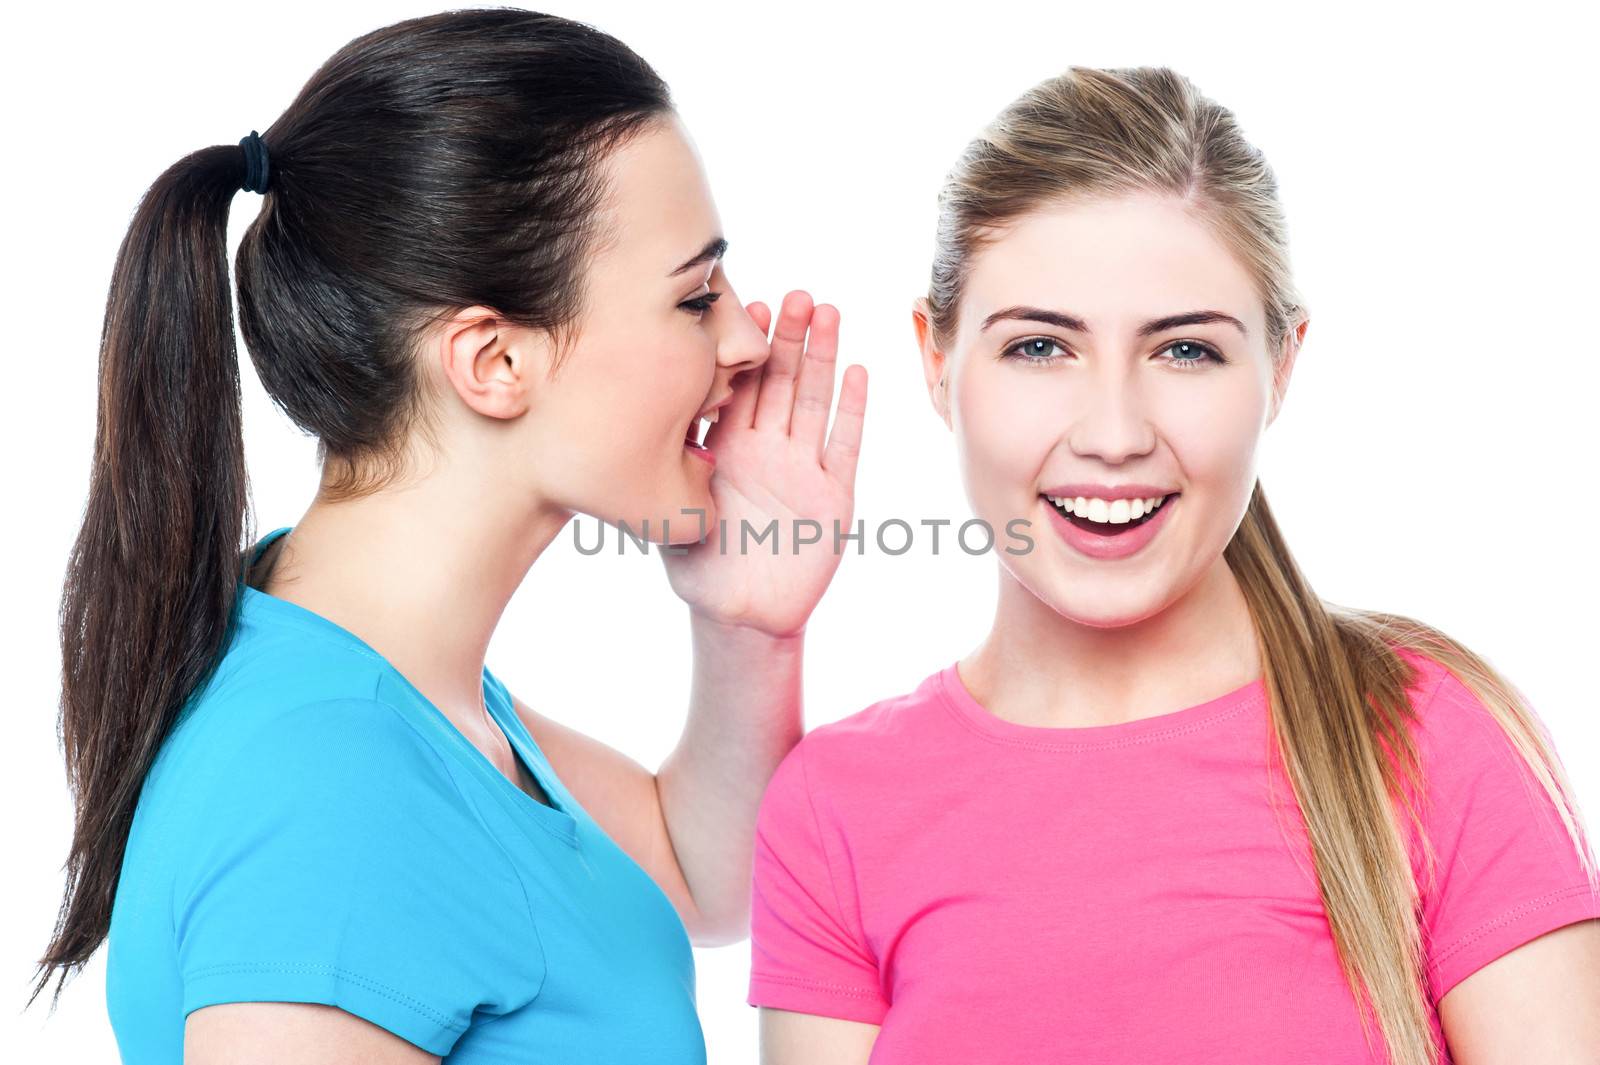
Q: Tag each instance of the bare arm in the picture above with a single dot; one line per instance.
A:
(691, 825)
(1537, 1003)
(292, 1033)
(744, 717)
(807, 1039)
(777, 464)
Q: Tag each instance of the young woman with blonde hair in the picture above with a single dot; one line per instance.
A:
(1176, 807)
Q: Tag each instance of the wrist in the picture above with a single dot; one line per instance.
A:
(742, 634)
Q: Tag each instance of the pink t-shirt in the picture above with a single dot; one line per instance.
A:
(993, 892)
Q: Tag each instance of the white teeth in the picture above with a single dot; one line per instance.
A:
(1108, 511)
(702, 426)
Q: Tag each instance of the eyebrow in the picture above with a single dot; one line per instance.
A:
(714, 249)
(1062, 320)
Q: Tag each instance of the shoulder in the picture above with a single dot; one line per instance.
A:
(887, 727)
(1484, 775)
(302, 724)
(1499, 863)
(1428, 676)
(269, 675)
(1455, 730)
(296, 708)
(339, 787)
(327, 745)
(850, 761)
(339, 817)
(332, 785)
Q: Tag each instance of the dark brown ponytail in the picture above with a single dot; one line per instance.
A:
(150, 582)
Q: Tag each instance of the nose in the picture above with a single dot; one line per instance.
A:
(741, 344)
(1110, 421)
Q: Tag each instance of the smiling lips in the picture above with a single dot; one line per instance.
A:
(1106, 523)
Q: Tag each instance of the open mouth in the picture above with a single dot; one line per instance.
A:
(1111, 518)
(698, 429)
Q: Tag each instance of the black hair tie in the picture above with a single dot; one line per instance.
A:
(255, 163)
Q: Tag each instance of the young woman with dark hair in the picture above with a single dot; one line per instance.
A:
(487, 277)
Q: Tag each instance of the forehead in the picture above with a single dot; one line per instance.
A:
(1114, 262)
(658, 201)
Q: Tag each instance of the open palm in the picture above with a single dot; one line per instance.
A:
(773, 469)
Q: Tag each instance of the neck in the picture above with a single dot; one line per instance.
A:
(1039, 668)
(422, 573)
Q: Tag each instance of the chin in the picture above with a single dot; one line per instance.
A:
(676, 493)
(1104, 612)
(693, 517)
(696, 524)
(1120, 621)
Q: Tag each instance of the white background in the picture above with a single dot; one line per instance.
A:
(1434, 457)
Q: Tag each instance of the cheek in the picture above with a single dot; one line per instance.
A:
(1214, 438)
(1003, 430)
(646, 396)
(672, 379)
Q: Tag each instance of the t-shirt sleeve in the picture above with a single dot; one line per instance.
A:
(1507, 871)
(808, 951)
(337, 862)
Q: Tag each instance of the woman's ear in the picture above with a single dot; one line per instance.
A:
(935, 367)
(1284, 366)
(491, 363)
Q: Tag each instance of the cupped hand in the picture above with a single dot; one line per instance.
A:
(774, 466)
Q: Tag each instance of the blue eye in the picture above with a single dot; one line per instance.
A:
(700, 304)
(1034, 349)
(1197, 353)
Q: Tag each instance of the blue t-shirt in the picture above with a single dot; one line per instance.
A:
(314, 830)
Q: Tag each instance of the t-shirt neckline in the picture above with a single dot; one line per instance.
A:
(554, 815)
(961, 703)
